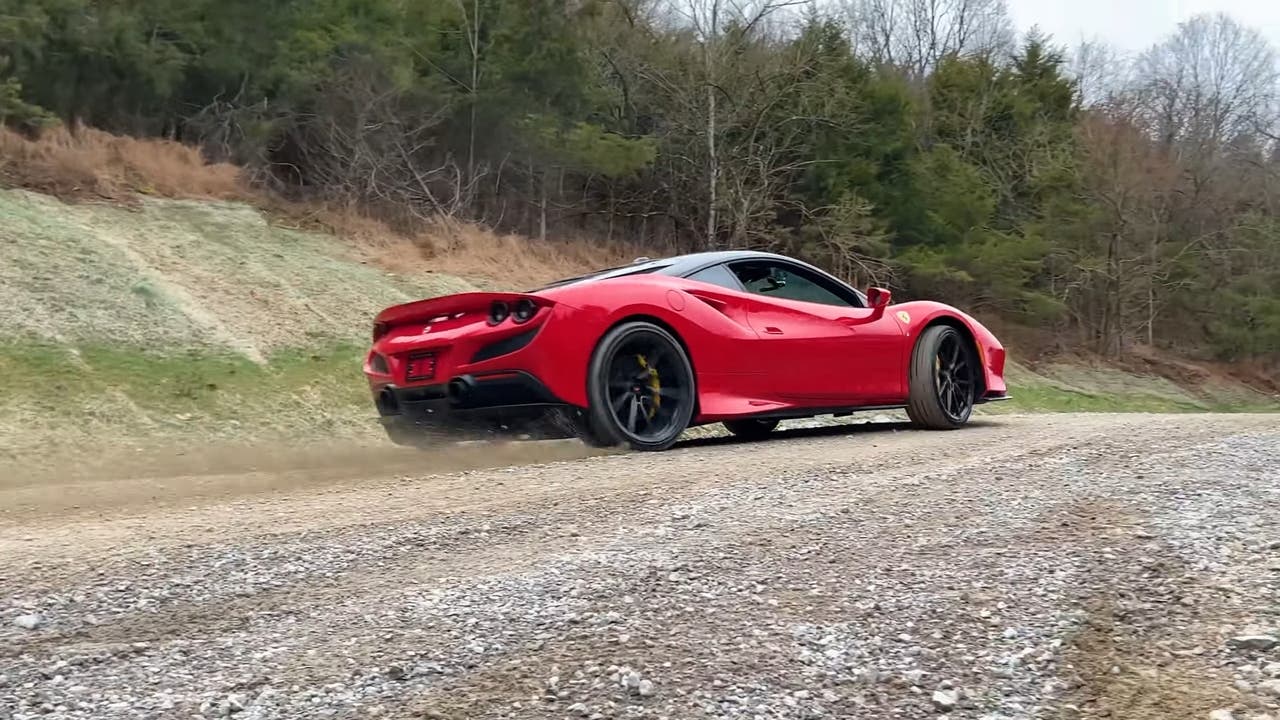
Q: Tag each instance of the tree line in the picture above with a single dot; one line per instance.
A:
(926, 146)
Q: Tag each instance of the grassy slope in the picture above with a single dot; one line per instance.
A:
(181, 320)
(1079, 388)
(187, 320)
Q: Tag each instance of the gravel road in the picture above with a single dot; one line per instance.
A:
(1062, 566)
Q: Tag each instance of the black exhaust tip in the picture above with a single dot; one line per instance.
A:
(387, 403)
(460, 388)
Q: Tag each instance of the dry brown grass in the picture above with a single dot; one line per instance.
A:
(520, 262)
(460, 249)
(84, 162)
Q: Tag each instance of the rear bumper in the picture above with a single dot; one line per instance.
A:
(510, 403)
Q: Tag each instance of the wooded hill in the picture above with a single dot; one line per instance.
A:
(923, 146)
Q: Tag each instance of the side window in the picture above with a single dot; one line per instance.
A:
(717, 275)
(784, 281)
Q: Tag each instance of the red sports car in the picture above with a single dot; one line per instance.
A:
(635, 355)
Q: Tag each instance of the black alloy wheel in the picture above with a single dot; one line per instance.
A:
(641, 388)
(942, 379)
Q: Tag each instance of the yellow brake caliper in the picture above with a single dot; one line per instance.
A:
(655, 384)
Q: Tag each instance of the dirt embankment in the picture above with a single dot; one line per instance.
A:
(182, 320)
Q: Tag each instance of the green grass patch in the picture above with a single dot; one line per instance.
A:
(108, 391)
(1049, 397)
(194, 380)
(1068, 387)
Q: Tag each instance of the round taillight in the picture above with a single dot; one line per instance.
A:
(498, 312)
(524, 310)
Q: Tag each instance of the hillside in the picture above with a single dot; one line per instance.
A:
(189, 321)
(182, 319)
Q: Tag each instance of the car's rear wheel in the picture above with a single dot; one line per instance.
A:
(751, 429)
(640, 388)
(942, 379)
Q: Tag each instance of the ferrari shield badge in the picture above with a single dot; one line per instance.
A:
(905, 317)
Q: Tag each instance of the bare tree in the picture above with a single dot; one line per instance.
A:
(1102, 72)
(1211, 81)
(915, 34)
(1169, 159)
(722, 28)
(471, 25)
(366, 142)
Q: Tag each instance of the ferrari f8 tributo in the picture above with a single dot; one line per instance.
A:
(635, 355)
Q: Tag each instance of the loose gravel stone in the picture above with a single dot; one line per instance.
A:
(1253, 642)
(946, 700)
(29, 621)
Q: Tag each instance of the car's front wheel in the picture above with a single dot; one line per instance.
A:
(942, 379)
(641, 388)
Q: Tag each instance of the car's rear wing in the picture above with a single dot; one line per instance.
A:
(497, 305)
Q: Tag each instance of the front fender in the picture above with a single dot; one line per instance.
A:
(991, 353)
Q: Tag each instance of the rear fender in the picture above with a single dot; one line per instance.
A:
(714, 334)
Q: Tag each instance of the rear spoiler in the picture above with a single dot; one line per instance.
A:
(445, 306)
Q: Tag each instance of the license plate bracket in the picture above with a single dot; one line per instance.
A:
(420, 366)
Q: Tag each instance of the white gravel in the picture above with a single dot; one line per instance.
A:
(1026, 567)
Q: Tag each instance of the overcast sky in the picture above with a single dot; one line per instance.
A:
(1133, 25)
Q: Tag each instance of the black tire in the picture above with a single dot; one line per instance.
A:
(640, 388)
(576, 423)
(750, 429)
(942, 381)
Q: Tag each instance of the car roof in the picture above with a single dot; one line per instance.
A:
(676, 265)
(681, 265)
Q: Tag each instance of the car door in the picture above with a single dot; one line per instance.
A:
(824, 344)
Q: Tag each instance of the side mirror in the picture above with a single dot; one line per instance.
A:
(878, 297)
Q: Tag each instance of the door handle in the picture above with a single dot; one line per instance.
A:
(772, 330)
